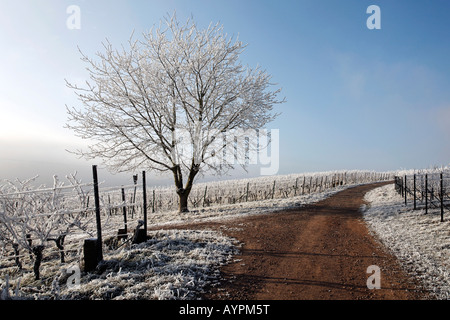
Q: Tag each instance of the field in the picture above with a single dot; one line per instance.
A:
(420, 241)
(171, 265)
(180, 263)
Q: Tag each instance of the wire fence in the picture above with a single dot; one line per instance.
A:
(425, 191)
(73, 224)
(59, 219)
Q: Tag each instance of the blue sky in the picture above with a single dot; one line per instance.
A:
(356, 98)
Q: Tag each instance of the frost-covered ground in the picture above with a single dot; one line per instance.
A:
(221, 212)
(421, 242)
(174, 264)
(111, 223)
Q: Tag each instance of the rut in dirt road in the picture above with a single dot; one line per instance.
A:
(321, 251)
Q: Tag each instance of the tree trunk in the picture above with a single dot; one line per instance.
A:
(183, 197)
(183, 193)
(38, 259)
(17, 253)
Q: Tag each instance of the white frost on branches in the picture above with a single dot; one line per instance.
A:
(179, 78)
(33, 212)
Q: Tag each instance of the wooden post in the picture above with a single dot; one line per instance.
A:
(90, 249)
(296, 186)
(403, 186)
(99, 250)
(135, 178)
(109, 204)
(153, 202)
(206, 190)
(273, 189)
(144, 197)
(124, 211)
(426, 193)
(310, 182)
(406, 193)
(442, 198)
(415, 192)
(246, 196)
(303, 186)
(421, 187)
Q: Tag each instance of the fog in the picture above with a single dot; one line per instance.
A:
(24, 159)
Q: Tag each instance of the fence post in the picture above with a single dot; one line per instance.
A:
(406, 191)
(153, 202)
(93, 251)
(206, 190)
(442, 198)
(124, 211)
(97, 214)
(402, 187)
(273, 189)
(414, 192)
(135, 179)
(144, 199)
(310, 182)
(397, 184)
(426, 193)
(109, 205)
(303, 186)
(246, 196)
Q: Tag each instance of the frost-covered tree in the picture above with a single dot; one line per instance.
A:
(179, 85)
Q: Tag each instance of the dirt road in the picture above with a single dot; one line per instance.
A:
(318, 252)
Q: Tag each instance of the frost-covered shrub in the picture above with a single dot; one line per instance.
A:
(173, 264)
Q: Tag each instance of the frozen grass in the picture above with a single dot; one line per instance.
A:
(421, 242)
(173, 264)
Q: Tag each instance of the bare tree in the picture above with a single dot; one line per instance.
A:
(177, 79)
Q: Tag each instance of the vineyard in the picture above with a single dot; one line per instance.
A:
(71, 225)
(425, 190)
(411, 219)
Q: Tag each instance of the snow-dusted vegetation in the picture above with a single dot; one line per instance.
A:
(420, 241)
(172, 265)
